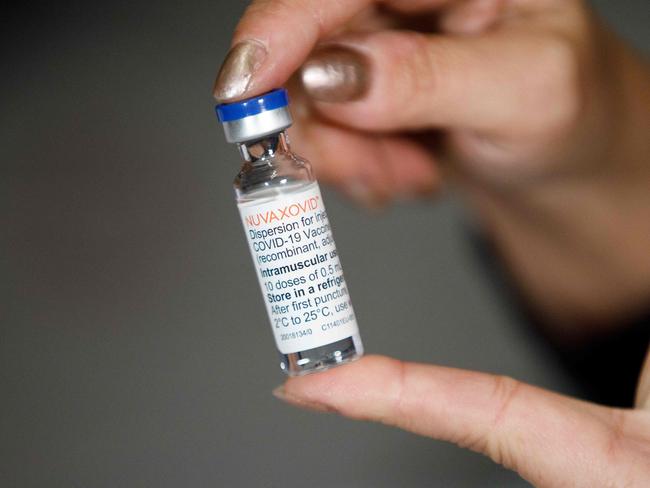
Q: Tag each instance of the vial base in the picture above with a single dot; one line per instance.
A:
(323, 357)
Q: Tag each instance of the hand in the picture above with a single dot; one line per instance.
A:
(549, 439)
(535, 110)
(541, 116)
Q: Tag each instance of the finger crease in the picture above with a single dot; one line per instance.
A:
(506, 389)
(616, 434)
(401, 387)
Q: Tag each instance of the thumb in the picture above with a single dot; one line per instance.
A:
(549, 439)
(406, 80)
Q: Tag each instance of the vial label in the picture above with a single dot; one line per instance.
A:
(299, 270)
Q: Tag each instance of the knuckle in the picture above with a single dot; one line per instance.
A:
(625, 446)
(557, 84)
(506, 390)
(505, 393)
(420, 65)
(473, 442)
(399, 409)
(424, 70)
(616, 438)
(412, 71)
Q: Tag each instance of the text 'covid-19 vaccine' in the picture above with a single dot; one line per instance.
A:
(290, 239)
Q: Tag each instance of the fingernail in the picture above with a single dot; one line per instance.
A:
(238, 69)
(281, 394)
(335, 74)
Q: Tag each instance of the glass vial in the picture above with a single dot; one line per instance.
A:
(290, 239)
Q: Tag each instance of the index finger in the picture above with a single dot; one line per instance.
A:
(278, 35)
(546, 437)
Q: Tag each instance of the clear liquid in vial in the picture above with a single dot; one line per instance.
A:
(316, 358)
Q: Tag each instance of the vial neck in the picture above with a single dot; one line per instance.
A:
(265, 148)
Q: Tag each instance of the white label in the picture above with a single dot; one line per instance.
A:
(299, 270)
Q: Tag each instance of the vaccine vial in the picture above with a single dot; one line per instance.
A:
(290, 239)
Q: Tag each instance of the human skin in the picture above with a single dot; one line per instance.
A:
(540, 116)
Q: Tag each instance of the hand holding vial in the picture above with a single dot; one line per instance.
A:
(540, 116)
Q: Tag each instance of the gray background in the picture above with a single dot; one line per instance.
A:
(134, 348)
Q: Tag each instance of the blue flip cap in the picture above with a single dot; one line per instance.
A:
(227, 112)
